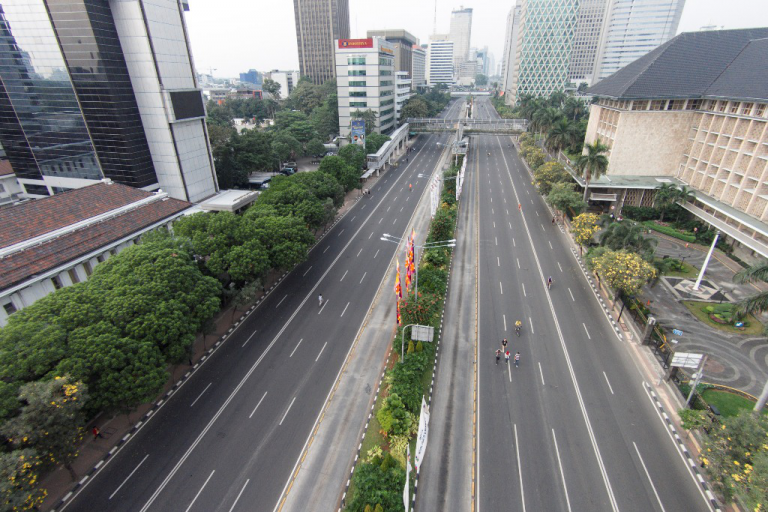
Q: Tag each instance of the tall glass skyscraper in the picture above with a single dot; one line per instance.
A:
(318, 24)
(91, 89)
(460, 34)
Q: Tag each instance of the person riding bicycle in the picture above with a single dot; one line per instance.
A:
(518, 326)
(320, 299)
(549, 282)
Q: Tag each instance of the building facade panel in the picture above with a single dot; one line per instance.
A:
(318, 24)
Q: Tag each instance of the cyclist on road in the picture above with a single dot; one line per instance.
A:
(498, 355)
(549, 282)
(518, 327)
(320, 300)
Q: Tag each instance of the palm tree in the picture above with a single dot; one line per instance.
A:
(546, 117)
(685, 195)
(665, 197)
(754, 304)
(574, 109)
(556, 99)
(628, 235)
(593, 164)
(560, 135)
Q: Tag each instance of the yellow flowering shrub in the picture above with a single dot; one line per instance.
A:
(623, 271)
(584, 227)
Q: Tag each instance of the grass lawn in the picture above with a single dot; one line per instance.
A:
(695, 307)
(687, 271)
(728, 404)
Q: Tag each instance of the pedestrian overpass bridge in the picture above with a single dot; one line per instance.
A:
(469, 126)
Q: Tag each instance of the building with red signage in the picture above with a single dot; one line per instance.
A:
(365, 80)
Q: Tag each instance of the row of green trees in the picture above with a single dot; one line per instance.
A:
(428, 104)
(380, 476)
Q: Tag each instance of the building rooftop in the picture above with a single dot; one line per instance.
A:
(399, 35)
(47, 233)
(5, 168)
(719, 64)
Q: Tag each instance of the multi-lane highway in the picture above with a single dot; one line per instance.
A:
(571, 428)
(228, 439)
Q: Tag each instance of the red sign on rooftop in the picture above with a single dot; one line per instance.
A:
(356, 43)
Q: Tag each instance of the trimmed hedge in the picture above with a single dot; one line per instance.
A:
(640, 213)
(669, 231)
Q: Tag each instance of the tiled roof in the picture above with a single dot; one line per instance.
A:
(22, 265)
(689, 64)
(34, 218)
(745, 77)
(5, 168)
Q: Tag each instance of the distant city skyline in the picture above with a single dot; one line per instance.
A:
(233, 36)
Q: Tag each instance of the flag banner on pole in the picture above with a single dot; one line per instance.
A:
(398, 287)
(407, 490)
(399, 318)
(423, 433)
(411, 253)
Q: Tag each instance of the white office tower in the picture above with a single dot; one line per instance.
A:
(586, 40)
(286, 79)
(632, 28)
(440, 60)
(460, 33)
(402, 90)
(365, 80)
(418, 67)
(510, 50)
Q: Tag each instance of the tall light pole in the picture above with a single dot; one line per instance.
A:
(430, 245)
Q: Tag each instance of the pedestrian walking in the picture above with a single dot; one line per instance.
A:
(506, 357)
(504, 344)
(517, 359)
(553, 221)
(410, 187)
(96, 432)
(320, 300)
(519, 207)
(498, 355)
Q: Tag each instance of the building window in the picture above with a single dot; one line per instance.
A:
(356, 72)
(387, 102)
(388, 111)
(721, 106)
(385, 73)
(760, 110)
(88, 268)
(746, 108)
(57, 282)
(9, 308)
(357, 83)
(73, 276)
(693, 105)
(358, 94)
(675, 105)
(101, 258)
(734, 107)
(358, 103)
(639, 105)
(658, 104)
(385, 93)
(356, 61)
(386, 82)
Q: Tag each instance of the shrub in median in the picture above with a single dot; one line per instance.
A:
(670, 231)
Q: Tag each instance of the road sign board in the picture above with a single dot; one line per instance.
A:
(423, 333)
(677, 332)
(686, 360)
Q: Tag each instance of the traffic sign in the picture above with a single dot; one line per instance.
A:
(686, 360)
(677, 332)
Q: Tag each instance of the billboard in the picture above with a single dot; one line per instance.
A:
(357, 134)
(356, 43)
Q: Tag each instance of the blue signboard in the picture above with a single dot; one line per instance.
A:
(357, 135)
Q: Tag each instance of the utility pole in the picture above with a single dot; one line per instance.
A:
(696, 381)
(706, 261)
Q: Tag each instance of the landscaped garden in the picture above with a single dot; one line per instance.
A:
(723, 318)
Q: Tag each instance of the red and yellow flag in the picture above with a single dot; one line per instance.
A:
(398, 287)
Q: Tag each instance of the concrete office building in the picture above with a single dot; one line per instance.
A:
(418, 67)
(692, 112)
(544, 46)
(440, 67)
(286, 79)
(365, 70)
(631, 29)
(403, 91)
(319, 23)
(586, 40)
(92, 90)
(511, 36)
(460, 33)
(403, 43)
(252, 77)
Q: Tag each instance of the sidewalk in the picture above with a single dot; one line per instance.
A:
(117, 429)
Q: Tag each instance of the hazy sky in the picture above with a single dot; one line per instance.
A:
(231, 36)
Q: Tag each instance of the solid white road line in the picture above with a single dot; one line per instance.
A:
(326, 249)
(345, 309)
(321, 351)
(542, 375)
(649, 477)
(201, 490)
(377, 253)
(524, 294)
(585, 330)
(286, 411)
(509, 370)
(258, 404)
(340, 232)
(307, 272)
(281, 301)
(558, 265)
(361, 279)
(519, 469)
(128, 477)
(569, 291)
(345, 275)
(238, 495)
(297, 346)
(249, 338)
(325, 303)
(201, 394)
(358, 252)
(562, 475)
(608, 382)
(501, 289)
(530, 322)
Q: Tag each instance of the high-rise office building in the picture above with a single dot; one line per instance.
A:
(403, 43)
(318, 24)
(286, 79)
(460, 34)
(418, 67)
(366, 81)
(632, 28)
(252, 77)
(510, 49)
(544, 46)
(440, 68)
(92, 90)
(586, 40)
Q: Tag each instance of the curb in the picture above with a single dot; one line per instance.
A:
(681, 446)
(592, 284)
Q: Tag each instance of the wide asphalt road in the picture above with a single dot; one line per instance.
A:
(229, 438)
(571, 428)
